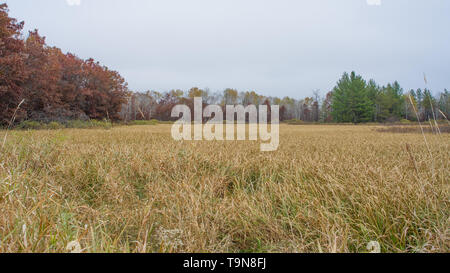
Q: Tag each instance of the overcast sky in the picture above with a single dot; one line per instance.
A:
(276, 47)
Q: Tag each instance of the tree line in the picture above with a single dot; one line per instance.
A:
(353, 100)
(61, 87)
(52, 85)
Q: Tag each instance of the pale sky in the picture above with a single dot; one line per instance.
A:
(277, 47)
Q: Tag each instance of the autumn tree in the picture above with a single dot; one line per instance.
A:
(196, 92)
(327, 108)
(12, 68)
(43, 72)
(230, 96)
(71, 83)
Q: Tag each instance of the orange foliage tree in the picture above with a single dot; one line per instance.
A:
(12, 67)
(55, 86)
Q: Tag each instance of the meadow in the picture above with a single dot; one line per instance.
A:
(328, 188)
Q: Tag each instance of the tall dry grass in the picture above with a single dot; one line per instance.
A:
(134, 189)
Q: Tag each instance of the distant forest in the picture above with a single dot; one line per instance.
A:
(53, 86)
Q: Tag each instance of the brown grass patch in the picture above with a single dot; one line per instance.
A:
(134, 189)
(414, 129)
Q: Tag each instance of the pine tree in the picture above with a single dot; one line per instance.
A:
(350, 100)
(444, 104)
(373, 92)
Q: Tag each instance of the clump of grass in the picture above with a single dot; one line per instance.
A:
(405, 121)
(79, 124)
(134, 189)
(413, 130)
(11, 122)
(54, 125)
(30, 125)
(143, 122)
(294, 122)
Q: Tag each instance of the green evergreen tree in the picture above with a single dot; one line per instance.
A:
(428, 104)
(444, 104)
(350, 100)
(373, 92)
(393, 101)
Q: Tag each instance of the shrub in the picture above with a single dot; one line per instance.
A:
(54, 125)
(166, 122)
(294, 122)
(405, 121)
(104, 124)
(144, 122)
(79, 124)
(29, 125)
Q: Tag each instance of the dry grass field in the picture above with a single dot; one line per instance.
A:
(134, 189)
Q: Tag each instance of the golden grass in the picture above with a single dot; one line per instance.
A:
(134, 189)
